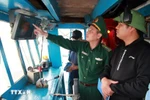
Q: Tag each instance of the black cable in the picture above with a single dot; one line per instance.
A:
(54, 78)
(115, 8)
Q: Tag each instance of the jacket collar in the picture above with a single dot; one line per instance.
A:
(133, 43)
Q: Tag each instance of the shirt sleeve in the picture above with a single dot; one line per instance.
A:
(137, 87)
(65, 43)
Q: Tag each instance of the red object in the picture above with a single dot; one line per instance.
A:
(40, 69)
(110, 23)
(111, 40)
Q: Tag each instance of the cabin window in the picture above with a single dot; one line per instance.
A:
(11, 52)
(64, 52)
(43, 47)
(25, 52)
(4, 80)
(34, 52)
(66, 33)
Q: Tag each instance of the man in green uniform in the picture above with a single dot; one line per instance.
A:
(92, 56)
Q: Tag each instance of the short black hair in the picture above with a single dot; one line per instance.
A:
(76, 34)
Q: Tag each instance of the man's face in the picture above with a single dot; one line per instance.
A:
(122, 31)
(92, 34)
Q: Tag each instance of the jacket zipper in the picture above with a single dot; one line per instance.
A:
(121, 59)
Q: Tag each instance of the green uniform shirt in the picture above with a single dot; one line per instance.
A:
(90, 62)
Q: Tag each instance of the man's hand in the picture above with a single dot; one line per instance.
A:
(106, 87)
(73, 67)
(38, 30)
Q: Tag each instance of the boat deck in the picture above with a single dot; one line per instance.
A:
(33, 93)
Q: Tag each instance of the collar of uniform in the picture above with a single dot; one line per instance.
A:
(98, 46)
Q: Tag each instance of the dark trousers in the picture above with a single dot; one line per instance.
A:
(72, 75)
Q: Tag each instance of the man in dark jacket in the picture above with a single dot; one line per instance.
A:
(128, 74)
(92, 56)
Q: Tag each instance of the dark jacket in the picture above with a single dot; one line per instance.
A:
(130, 65)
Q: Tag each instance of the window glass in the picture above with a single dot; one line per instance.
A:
(11, 52)
(25, 53)
(43, 47)
(34, 52)
(64, 52)
(67, 33)
(4, 80)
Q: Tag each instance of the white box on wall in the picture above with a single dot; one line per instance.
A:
(33, 76)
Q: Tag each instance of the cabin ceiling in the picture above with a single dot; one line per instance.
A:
(119, 8)
(75, 10)
(70, 10)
